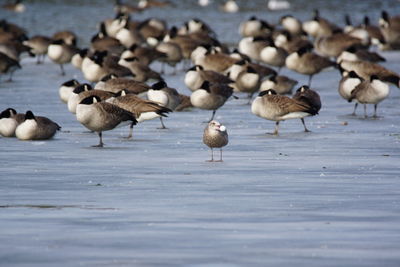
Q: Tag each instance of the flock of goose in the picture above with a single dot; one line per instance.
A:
(121, 86)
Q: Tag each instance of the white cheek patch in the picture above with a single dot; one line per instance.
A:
(222, 128)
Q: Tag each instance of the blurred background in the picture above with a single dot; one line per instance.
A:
(82, 16)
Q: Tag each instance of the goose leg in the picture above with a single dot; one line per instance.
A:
(62, 70)
(365, 110)
(11, 74)
(276, 128)
(130, 131)
(355, 107)
(212, 117)
(101, 144)
(304, 124)
(162, 124)
(162, 68)
(309, 80)
(38, 60)
(250, 97)
(375, 108)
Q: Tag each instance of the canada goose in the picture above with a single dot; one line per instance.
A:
(61, 53)
(278, 4)
(262, 70)
(255, 27)
(78, 58)
(319, 27)
(17, 6)
(142, 109)
(229, 6)
(196, 75)
(310, 97)
(370, 92)
(68, 37)
(215, 136)
(252, 46)
(102, 42)
(374, 32)
(93, 66)
(66, 89)
(280, 84)
(203, 2)
(184, 103)
(239, 56)
(271, 106)
(13, 49)
(291, 24)
(152, 27)
(113, 25)
(142, 72)
(290, 42)
(359, 32)
(153, 3)
(121, 8)
(100, 64)
(38, 46)
(333, 45)
(128, 36)
(165, 96)
(211, 96)
(307, 63)
(9, 120)
(355, 54)
(233, 71)
(115, 84)
(186, 43)
(8, 65)
(173, 54)
(73, 99)
(365, 69)
(196, 25)
(100, 116)
(390, 28)
(146, 55)
(11, 31)
(83, 91)
(36, 128)
(273, 55)
(347, 84)
(218, 62)
(248, 81)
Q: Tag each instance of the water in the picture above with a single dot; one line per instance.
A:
(326, 198)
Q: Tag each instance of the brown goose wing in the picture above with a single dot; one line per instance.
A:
(116, 113)
(221, 89)
(285, 105)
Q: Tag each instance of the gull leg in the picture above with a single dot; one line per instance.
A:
(212, 156)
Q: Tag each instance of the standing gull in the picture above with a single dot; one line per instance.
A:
(215, 136)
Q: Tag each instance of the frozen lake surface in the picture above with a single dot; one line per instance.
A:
(326, 198)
